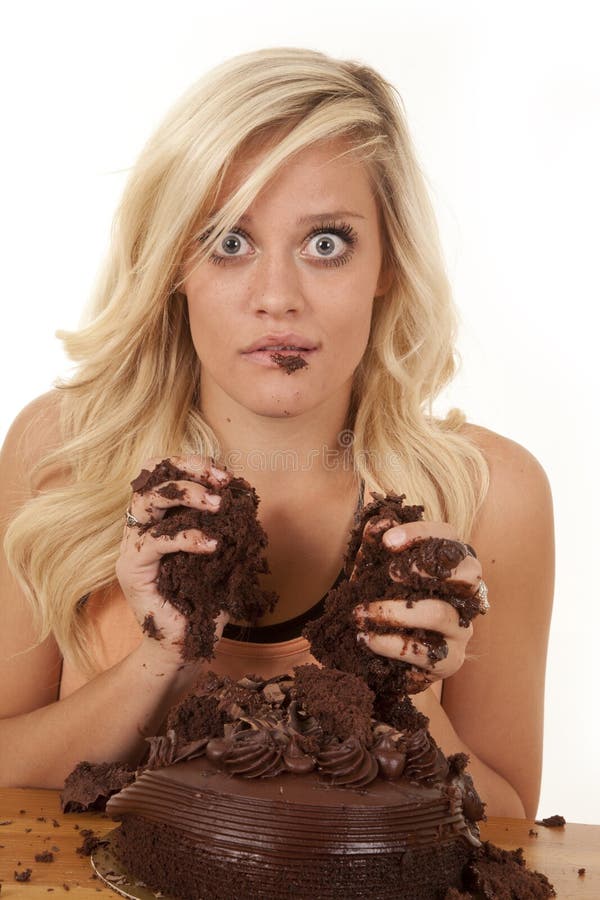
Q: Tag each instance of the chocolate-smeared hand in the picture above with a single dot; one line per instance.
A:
(429, 632)
(412, 593)
(193, 556)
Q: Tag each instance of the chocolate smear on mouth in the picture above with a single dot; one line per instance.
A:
(289, 363)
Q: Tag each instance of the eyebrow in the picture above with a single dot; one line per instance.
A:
(315, 217)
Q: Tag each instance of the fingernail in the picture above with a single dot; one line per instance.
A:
(362, 637)
(213, 500)
(219, 474)
(394, 539)
(211, 543)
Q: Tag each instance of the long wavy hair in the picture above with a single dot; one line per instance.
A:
(135, 391)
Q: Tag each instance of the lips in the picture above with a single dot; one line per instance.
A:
(276, 343)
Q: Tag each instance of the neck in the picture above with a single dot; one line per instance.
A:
(285, 450)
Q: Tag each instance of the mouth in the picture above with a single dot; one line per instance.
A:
(281, 348)
(275, 355)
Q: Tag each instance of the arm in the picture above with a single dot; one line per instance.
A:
(492, 705)
(495, 702)
(41, 738)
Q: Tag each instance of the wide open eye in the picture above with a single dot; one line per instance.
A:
(328, 245)
(331, 244)
(231, 245)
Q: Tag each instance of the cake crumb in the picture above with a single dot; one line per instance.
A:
(551, 822)
(66, 887)
(7, 822)
(581, 872)
(25, 875)
(22, 812)
(150, 628)
(90, 842)
(532, 833)
(46, 857)
(289, 363)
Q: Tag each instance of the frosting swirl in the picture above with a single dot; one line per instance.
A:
(348, 762)
(424, 760)
(253, 753)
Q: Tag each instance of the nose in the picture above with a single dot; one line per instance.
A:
(276, 289)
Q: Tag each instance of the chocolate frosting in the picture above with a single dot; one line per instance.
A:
(348, 762)
(424, 760)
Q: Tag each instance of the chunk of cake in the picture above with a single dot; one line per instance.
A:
(202, 585)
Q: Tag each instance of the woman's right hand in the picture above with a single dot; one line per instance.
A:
(141, 551)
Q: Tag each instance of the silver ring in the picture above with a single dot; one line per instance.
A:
(481, 595)
(130, 520)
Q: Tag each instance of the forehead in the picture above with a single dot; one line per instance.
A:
(328, 172)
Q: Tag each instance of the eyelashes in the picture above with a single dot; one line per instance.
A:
(344, 231)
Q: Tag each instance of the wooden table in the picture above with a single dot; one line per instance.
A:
(31, 822)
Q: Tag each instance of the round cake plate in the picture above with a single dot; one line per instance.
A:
(108, 868)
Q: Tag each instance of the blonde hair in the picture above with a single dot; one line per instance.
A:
(135, 393)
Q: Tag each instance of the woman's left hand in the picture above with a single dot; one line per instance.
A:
(429, 614)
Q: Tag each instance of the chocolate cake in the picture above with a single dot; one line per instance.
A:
(295, 790)
(325, 784)
(202, 585)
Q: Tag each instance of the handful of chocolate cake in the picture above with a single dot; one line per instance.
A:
(320, 784)
(375, 573)
(202, 585)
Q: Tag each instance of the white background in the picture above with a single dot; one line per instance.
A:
(503, 101)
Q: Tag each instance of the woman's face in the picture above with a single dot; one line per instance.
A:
(299, 269)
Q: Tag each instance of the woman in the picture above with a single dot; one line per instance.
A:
(278, 206)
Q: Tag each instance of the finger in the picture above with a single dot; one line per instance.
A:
(148, 548)
(152, 505)
(467, 572)
(430, 614)
(199, 468)
(371, 532)
(403, 647)
(413, 652)
(402, 536)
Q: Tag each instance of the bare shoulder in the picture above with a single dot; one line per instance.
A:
(519, 487)
(29, 671)
(34, 433)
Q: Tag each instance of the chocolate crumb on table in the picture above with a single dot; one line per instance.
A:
(581, 872)
(25, 875)
(551, 822)
(46, 857)
(532, 833)
(90, 842)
